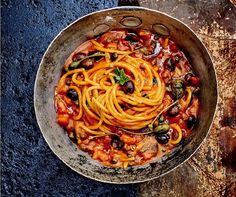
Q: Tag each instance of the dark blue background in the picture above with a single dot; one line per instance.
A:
(29, 168)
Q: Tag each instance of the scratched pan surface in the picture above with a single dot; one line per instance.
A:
(91, 25)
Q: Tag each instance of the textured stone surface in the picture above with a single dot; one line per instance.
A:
(29, 167)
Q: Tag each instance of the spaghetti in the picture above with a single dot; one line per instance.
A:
(122, 98)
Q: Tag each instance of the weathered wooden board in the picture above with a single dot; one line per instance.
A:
(212, 170)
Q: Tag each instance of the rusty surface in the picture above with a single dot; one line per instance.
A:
(212, 170)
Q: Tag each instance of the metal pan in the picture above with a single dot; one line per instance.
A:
(91, 25)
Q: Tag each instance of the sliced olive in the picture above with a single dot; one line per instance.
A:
(162, 128)
(173, 111)
(116, 142)
(114, 56)
(128, 87)
(87, 63)
(162, 138)
(78, 56)
(191, 121)
(72, 94)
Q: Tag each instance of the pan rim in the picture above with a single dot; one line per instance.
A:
(124, 181)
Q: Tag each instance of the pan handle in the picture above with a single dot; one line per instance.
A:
(128, 3)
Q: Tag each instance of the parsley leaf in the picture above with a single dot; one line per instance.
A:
(120, 77)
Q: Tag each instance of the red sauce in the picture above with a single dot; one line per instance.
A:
(120, 147)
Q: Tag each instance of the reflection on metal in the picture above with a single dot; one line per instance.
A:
(131, 21)
(161, 29)
(101, 28)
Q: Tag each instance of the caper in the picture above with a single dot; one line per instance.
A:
(162, 138)
(161, 118)
(177, 88)
(162, 128)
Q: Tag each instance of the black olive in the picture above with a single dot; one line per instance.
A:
(162, 138)
(173, 111)
(131, 38)
(191, 121)
(116, 142)
(87, 63)
(72, 94)
(169, 64)
(128, 87)
(114, 56)
(78, 56)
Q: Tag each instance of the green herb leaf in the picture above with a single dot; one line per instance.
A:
(120, 77)
(75, 65)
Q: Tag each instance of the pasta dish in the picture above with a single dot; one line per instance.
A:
(127, 97)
